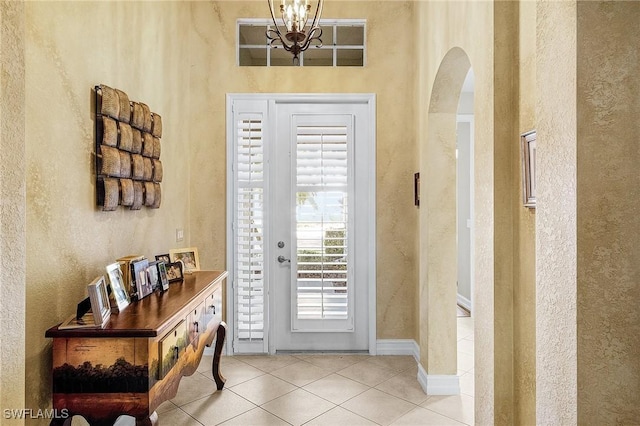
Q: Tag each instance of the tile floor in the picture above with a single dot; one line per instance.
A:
(323, 389)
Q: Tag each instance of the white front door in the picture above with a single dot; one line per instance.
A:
(319, 279)
(312, 247)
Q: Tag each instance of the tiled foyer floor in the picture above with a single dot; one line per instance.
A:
(320, 390)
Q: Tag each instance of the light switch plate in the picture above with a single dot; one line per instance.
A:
(179, 234)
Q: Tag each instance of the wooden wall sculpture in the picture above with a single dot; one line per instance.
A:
(128, 166)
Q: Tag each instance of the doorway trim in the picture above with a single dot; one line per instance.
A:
(319, 98)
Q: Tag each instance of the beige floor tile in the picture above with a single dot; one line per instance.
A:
(217, 408)
(334, 362)
(205, 363)
(465, 361)
(405, 386)
(301, 373)
(192, 388)
(298, 407)
(379, 407)
(238, 372)
(466, 346)
(467, 384)
(396, 363)
(421, 416)
(176, 417)
(457, 407)
(339, 416)
(263, 389)
(336, 388)
(166, 406)
(267, 363)
(255, 417)
(367, 372)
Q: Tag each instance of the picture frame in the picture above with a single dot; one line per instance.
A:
(528, 156)
(118, 289)
(188, 256)
(153, 275)
(416, 189)
(100, 306)
(163, 257)
(162, 274)
(174, 271)
(140, 280)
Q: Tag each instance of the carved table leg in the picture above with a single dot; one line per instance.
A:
(215, 367)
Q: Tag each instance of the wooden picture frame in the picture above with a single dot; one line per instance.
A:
(188, 256)
(100, 306)
(118, 288)
(528, 156)
(174, 271)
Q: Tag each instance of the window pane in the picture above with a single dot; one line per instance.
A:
(350, 36)
(253, 34)
(281, 58)
(350, 57)
(327, 35)
(315, 57)
(253, 57)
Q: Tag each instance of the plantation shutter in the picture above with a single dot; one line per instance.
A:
(322, 271)
(249, 227)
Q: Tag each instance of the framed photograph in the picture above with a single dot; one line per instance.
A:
(416, 189)
(139, 276)
(99, 297)
(188, 256)
(162, 274)
(163, 257)
(118, 289)
(174, 271)
(528, 155)
(153, 276)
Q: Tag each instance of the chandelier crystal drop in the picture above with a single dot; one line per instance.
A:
(293, 32)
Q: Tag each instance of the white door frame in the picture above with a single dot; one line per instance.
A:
(370, 100)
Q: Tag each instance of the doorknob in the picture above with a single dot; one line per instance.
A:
(282, 259)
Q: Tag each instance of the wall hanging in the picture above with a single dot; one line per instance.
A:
(128, 166)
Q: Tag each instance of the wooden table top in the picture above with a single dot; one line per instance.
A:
(150, 316)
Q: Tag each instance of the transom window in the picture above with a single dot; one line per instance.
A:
(343, 45)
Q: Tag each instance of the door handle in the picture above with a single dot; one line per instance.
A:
(282, 259)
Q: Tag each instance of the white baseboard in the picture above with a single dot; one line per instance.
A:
(464, 302)
(398, 347)
(437, 384)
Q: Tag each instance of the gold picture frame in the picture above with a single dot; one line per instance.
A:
(189, 258)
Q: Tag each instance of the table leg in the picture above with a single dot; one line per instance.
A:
(215, 367)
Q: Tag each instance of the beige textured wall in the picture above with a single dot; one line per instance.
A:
(524, 292)
(389, 73)
(556, 245)
(469, 26)
(608, 223)
(141, 48)
(12, 208)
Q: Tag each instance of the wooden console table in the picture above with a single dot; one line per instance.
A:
(136, 362)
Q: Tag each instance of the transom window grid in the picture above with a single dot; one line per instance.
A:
(343, 44)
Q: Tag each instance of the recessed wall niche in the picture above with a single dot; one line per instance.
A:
(128, 166)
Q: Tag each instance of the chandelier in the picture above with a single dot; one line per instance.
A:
(297, 35)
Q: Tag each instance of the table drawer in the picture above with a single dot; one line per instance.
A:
(171, 346)
(213, 307)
